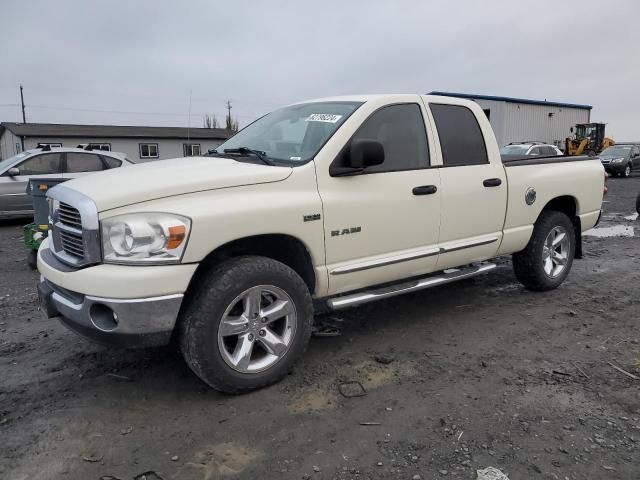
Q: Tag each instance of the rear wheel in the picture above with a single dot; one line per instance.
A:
(245, 326)
(547, 259)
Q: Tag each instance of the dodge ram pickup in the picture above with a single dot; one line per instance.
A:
(328, 203)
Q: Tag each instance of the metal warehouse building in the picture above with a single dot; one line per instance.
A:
(519, 119)
(140, 144)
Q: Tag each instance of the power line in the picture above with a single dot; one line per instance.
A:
(128, 112)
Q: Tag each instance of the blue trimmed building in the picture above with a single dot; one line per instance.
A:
(521, 119)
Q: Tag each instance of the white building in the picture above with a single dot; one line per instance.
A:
(140, 144)
(519, 119)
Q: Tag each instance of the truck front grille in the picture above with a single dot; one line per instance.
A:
(72, 243)
(70, 216)
(75, 236)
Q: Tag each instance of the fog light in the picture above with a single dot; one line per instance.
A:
(103, 317)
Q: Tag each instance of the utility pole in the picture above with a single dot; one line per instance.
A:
(229, 123)
(24, 117)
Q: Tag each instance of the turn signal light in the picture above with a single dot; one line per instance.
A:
(176, 236)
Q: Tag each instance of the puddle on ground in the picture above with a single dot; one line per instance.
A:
(632, 217)
(614, 231)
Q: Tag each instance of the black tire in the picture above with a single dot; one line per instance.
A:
(638, 204)
(627, 171)
(204, 309)
(528, 264)
(32, 259)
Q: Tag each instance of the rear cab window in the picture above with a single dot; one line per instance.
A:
(461, 139)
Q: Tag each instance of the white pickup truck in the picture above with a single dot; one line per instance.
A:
(333, 202)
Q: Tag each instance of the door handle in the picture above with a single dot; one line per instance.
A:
(492, 182)
(425, 190)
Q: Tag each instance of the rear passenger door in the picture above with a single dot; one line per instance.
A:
(474, 191)
(78, 164)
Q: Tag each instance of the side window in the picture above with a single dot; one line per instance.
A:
(535, 151)
(41, 165)
(548, 151)
(461, 139)
(636, 151)
(112, 162)
(83, 162)
(401, 131)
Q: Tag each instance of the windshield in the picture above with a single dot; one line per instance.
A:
(616, 151)
(292, 134)
(514, 150)
(5, 163)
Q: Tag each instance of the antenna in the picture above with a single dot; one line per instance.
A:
(189, 122)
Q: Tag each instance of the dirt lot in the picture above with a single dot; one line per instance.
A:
(475, 374)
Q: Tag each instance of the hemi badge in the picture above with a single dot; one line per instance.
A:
(311, 218)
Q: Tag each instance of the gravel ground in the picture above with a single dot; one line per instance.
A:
(470, 375)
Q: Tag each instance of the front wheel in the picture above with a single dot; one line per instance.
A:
(627, 171)
(246, 324)
(547, 258)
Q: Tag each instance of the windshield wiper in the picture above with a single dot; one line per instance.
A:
(257, 153)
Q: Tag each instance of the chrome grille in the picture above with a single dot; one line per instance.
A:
(72, 243)
(69, 215)
(75, 230)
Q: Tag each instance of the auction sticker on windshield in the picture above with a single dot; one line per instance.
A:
(323, 117)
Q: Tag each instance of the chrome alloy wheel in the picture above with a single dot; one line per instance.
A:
(257, 329)
(555, 251)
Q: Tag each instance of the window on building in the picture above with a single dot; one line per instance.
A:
(41, 165)
(83, 162)
(105, 147)
(49, 145)
(18, 148)
(148, 150)
(461, 139)
(191, 149)
(400, 129)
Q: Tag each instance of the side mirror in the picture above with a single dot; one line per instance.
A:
(357, 156)
(365, 153)
(13, 172)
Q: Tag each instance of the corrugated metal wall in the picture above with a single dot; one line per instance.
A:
(518, 122)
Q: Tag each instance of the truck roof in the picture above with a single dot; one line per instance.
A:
(367, 98)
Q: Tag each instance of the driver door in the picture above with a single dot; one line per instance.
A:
(383, 224)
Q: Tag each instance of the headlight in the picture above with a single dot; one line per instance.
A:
(617, 160)
(144, 238)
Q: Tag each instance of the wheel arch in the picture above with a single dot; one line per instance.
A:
(284, 248)
(570, 206)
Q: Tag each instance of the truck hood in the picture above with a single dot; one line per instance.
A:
(165, 178)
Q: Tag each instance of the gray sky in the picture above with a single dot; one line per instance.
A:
(144, 58)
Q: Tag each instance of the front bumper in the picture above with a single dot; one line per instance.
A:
(614, 167)
(130, 323)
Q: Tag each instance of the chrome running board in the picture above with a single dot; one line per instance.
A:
(447, 276)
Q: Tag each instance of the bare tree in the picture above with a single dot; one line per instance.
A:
(210, 121)
(230, 123)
